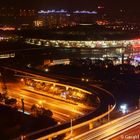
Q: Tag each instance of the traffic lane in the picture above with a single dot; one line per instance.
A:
(36, 99)
(51, 103)
(108, 129)
(59, 116)
(131, 134)
(64, 105)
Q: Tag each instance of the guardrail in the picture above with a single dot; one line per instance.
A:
(106, 131)
(76, 126)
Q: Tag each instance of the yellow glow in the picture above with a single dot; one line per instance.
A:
(82, 79)
(40, 102)
(22, 80)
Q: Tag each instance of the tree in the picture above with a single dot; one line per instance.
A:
(46, 113)
(34, 110)
(40, 112)
(11, 101)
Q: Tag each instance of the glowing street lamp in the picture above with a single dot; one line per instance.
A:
(46, 70)
(22, 80)
(41, 103)
(124, 108)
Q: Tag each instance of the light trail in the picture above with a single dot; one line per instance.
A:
(110, 128)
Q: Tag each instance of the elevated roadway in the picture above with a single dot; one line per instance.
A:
(105, 99)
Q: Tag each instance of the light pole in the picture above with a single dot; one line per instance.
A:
(22, 101)
(71, 132)
(71, 129)
(109, 107)
(124, 108)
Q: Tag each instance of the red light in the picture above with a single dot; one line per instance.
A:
(136, 46)
(137, 39)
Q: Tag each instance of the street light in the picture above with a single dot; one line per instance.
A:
(124, 108)
(71, 129)
(22, 101)
(46, 70)
(109, 107)
(41, 103)
(22, 79)
(71, 132)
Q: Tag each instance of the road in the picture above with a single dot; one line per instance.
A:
(105, 99)
(63, 111)
(108, 130)
(131, 134)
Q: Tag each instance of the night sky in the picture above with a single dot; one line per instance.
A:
(132, 5)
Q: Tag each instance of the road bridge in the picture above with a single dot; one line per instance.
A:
(106, 98)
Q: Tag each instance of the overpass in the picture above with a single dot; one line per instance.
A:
(104, 96)
(69, 49)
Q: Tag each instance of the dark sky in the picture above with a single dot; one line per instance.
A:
(74, 4)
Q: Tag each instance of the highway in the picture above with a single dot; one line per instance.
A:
(108, 130)
(63, 111)
(133, 133)
(105, 99)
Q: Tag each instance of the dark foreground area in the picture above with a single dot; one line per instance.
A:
(14, 123)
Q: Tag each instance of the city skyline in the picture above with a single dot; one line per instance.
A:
(72, 4)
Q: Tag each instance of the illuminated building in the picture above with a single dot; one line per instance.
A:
(17, 16)
(30, 17)
(62, 18)
(39, 23)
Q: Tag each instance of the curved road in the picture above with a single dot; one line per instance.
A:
(105, 97)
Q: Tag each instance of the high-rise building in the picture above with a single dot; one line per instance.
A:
(16, 16)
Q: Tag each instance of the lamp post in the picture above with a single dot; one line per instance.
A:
(22, 125)
(22, 101)
(124, 108)
(71, 129)
(71, 132)
(139, 103)
(109, 107)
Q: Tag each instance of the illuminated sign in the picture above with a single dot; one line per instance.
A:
(52, 11)
(64, 11)
(85, 12)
